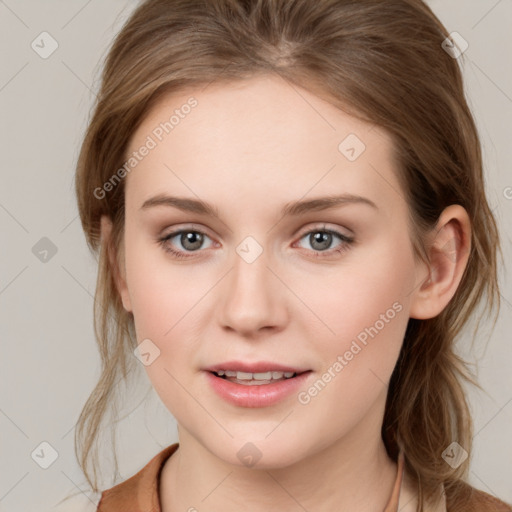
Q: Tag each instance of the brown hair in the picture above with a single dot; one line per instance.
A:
(382, 61)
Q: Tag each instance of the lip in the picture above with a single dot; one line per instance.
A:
(256, 367)
(262, 395)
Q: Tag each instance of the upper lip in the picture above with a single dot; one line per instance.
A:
(256, 367)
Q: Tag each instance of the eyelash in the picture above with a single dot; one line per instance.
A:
(345, 246)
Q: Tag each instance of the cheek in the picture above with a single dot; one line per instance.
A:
(161, 292)
(376, 280)
(162, 297)
(364, 311)
(367, 310)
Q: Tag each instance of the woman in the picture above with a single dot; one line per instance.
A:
(287, 200)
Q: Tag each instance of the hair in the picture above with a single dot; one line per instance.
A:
(382, 62)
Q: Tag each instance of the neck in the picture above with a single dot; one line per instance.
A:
(353, 473)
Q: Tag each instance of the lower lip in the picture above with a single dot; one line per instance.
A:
(261, 395)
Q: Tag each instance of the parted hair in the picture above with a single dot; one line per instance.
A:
(379, 60)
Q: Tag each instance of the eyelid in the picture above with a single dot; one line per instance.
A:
(186, 227)
(324, 226)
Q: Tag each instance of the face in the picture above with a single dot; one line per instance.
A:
(275, 276)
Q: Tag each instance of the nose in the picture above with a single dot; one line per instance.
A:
(252, 297)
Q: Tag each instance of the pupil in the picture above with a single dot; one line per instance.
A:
(191, 238)
(324, 239)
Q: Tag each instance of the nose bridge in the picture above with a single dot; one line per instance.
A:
(253, 296)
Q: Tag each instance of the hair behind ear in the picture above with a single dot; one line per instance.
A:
(427, 409)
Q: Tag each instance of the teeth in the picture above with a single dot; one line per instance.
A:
(255, 376)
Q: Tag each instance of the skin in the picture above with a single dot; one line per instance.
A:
(249, 148)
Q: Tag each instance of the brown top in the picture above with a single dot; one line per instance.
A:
(140, 493)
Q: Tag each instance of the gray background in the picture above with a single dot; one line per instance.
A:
(49, 361)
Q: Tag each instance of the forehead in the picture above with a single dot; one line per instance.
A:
(258, 136)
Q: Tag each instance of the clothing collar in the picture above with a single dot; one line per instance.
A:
(140, 493)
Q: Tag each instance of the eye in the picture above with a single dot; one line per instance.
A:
(320, 239)
(191, 240)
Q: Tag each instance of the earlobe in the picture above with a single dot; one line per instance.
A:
(448, 253)
(117, 272)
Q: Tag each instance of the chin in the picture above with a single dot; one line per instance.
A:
(253, 453)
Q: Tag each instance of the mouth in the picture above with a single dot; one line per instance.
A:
(255, 385)
(256, 378)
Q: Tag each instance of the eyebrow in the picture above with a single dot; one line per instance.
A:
(290, 209)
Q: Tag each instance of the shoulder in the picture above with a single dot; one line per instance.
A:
(80, 502)
(465, 498)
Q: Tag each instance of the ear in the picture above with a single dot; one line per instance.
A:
(449, 246)
(119, 274)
